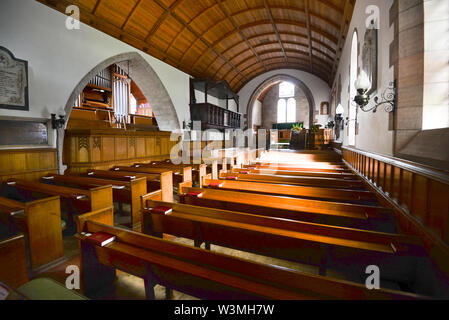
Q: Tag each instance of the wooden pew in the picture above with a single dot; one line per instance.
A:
(338, 195)
(212, 164)
(230, 156)
(75, 200)
(355, 184)
(205, 274)
(397, 256)
(297, 167)
(155, 181)
(199, 171)
(300, 156)
(123, 191)
(13, 261)
(303, 164)
(6, 216)
(325, 212)
(40, 219)
(297, 173)
(180, 175)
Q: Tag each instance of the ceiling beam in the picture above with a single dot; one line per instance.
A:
(182, 30)
(346, 20)
(267, 8)
(268, 43)
(239, 31)
(160, 20)
(210, 47)
(262, 35)
(306, 67)
(309, 34)
(96, 7)
(130, 14)
(238, 85)
(267, 22)
(112, 30)
(325, 63)
(285, 43)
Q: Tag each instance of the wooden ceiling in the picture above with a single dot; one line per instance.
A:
(234, 40)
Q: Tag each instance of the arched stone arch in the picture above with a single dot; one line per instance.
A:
(273, 81)
(148, 82)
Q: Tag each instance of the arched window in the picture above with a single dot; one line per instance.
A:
(286, 108)
(286, 90)
(282, 111)
(353, 91)
(291, 110)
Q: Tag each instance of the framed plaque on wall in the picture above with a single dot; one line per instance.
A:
(13, 82)
(370, 57)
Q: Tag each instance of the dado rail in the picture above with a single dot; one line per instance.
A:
(418, 194)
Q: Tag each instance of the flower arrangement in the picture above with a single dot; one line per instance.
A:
(297, 127)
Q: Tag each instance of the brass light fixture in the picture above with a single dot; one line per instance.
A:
(388, 97)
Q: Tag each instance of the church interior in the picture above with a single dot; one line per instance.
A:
(224, 150)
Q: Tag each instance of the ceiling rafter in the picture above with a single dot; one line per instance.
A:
(324, 63)
(309, 34)
(181, 21)
(161, 20)
(220, 4)
(256, 73)
(108, 28)
(182, 30)
(294, 52)
(341, 39)
(130, 14)
(303, 64)
(267, 22)
(263, 36)
(326, 20)
(97, 4)
(268, 43)
(267, 8)
(285, 43)
(332, 6)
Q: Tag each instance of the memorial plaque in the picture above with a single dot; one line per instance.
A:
(369, 57)
(20, 133)
(13, 81)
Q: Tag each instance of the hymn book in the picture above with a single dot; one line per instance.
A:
(161, 210)
(101, 239)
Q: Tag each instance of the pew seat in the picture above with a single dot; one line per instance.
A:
(324, 212)
(205, 274)
(319, 245)
(308, 192)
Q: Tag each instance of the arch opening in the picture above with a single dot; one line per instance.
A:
(269, 84)
(149, 84)
(146, 79)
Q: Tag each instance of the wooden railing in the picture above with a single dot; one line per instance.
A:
(419, 195)
(214, 117)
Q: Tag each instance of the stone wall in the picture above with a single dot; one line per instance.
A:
(269, 107)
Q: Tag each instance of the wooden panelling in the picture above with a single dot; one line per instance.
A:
(103, 149)
(29, 164)
(418, 194)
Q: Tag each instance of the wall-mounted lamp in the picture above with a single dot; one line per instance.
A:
(57, 123)
(339, 121)
(339, 111)
(362, 99)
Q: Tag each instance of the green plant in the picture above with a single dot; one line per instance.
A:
(297, 127)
